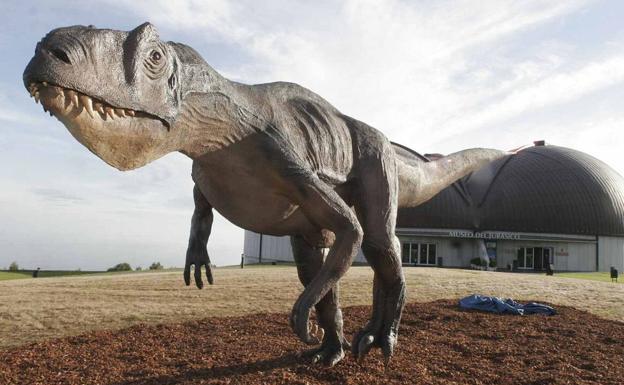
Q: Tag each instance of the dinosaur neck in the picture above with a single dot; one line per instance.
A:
(216, 112)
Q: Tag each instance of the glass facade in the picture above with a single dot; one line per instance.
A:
(419, 254)
(536, 258)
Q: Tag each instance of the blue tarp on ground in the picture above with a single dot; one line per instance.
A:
(499, 305)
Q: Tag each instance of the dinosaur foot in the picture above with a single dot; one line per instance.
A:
(370, 337)
(382, 329)
(329, 353)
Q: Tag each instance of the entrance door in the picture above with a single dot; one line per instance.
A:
(536, 258)
(548, 259)
(543, 257)
(538, 254)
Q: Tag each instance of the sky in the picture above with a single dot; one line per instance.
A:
(437, 76)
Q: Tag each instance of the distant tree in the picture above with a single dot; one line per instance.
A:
(138, 268)
(156, 266)
(121, 267)
(13, 266)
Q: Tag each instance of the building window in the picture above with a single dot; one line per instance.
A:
(413, 253)
(431, 254)
(536, 258)
(419, 254)
(405, 254)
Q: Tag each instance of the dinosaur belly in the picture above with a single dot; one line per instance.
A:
(251, 202)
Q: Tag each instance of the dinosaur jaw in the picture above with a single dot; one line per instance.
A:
(125, 139)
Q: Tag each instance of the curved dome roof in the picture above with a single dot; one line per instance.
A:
(541, 189)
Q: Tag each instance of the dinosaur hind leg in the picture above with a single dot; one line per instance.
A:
(326, 210)
(309, 260)
(376, 210)
(388, 300)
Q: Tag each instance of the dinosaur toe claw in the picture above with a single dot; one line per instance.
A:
(328, 353)
(209, 274)
(364, 346)
(299, 321)
(198, 279)
(187, 274)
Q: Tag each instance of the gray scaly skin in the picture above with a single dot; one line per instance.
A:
(272, 158)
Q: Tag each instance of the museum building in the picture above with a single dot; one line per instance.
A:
(544, 205)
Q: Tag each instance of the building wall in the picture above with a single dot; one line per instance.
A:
(457, 252)
(610, 253)
(273, 249)
(568, 256)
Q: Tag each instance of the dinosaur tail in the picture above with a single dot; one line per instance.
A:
(421, 179)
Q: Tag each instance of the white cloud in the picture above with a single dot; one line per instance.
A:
(560, 88)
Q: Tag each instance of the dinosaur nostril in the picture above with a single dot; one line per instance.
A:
(61, 55)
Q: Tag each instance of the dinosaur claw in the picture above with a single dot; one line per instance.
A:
(364, 346)
(312, 327)
(209, 274)
(387, 347)
(299, 322)
(328, 353)
(197, 275)
(198, 279)
(197, 259)
(187, 275)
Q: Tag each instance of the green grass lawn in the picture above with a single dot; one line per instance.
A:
(593, 276)
(6, 275)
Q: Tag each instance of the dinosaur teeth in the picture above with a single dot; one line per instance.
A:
(110, 112)
(88, 104)
(79, 100)
(71, 95)
(32, 89)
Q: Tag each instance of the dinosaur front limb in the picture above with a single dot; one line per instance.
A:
(324, 208)
(309, 260)
(197, 253)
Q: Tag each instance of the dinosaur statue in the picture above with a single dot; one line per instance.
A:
(272, 158)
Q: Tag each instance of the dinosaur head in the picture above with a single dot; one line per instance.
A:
(117, 92)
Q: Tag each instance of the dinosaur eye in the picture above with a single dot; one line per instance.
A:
(155, 56)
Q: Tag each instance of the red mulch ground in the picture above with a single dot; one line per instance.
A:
(439, 344)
